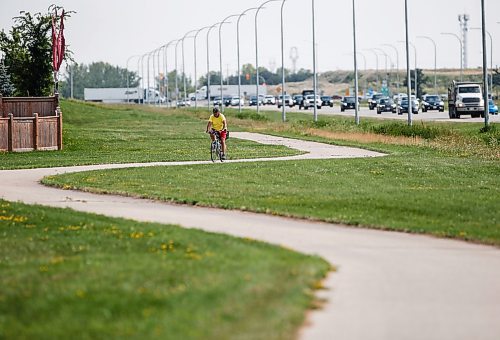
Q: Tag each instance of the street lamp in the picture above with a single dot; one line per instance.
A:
(461, 49)
(283, 113)
(166, 71)
(314, 63)
(128, 81)
(220, 55)
(408, 83)
(195, 69)
(238, 52)
(355, 55)
(176, 74)
(143, 77)
(183, 65)
(485, 66)
(491, 56)
(435, 59)
(397, 63)
(416, 72)
(257, 49)
(376, 67)
(208, 64)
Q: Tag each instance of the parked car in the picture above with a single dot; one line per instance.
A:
(403, 106)
(372, 102)
(253, 101)
(235, 101)
(326, 101)
(227, 100)
(288, 101)
(310, 100)
(347, 103)
(297, 100)
(386, 104)
(217, 101)
(269, 100)
(493, 109)
(432, 102)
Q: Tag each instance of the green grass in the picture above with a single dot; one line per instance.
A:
(97, 134)
(65, 273)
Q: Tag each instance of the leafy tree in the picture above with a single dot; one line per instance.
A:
(422, 80)
(28, 53)
(98, 74)
(6, 87)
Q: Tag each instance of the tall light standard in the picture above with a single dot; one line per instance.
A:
(435, 59)
(176, 74)
(397, 63)
(416, 72)
(355, 55)
(195, 69)
(220, 56)
(485, 67)
(238, 52)
(208, 64)
(461, 56)
(491, 56)
(408, 83)
(143, 78)
(315, 84)
(128, 81)
(257, 50)
(283, 113)
(376, 65)
(183, 65)
(166, 70)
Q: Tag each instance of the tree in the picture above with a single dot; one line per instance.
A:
(28, 53)
(6, 87)
(94, 75)
(421, 81)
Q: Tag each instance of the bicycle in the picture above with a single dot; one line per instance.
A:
(216, 148)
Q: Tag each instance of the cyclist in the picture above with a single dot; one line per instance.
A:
(217, 122)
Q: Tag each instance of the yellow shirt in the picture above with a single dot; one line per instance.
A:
(217, 122)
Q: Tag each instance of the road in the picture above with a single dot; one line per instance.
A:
(388, 285)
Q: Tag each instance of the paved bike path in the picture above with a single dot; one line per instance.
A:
(388, 285)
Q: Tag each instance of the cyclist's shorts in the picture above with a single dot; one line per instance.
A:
(223, 134)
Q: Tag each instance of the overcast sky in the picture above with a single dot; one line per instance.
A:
(114, 30)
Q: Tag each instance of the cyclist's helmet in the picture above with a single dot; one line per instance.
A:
(215, 110)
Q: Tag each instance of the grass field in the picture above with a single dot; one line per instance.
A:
(69, 274)
(440, 179)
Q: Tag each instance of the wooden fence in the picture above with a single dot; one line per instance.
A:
(30, 123)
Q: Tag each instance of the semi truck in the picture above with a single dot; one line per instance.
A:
(122, 95)
(228, 90)
(465, 98)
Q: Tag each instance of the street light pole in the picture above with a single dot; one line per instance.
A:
(416, 72)
(128, 81)
(183, 65)
(238, 52)
(195, 69)
(355, 55)
(257, 50)
(314, 62)
(408, 83)
(397, 63)
(220, 57)
(485, 67)
(176, 74)
(491, 57)
(283, 112)
(166, 72)
(461, 56)
(435, 59)
(208, 64)
(143, 78)
(376, 68)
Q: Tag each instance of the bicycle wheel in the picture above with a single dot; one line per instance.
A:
(213, 151)
(220, 152)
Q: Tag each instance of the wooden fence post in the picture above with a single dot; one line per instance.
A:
(1, 105)
(59, 129)
(35, 131)
(10, 129)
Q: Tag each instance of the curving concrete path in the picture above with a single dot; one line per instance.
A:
(388, 285)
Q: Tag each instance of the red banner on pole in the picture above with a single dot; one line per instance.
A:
(58, 42)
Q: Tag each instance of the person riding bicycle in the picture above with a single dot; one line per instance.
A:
(217, 122)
